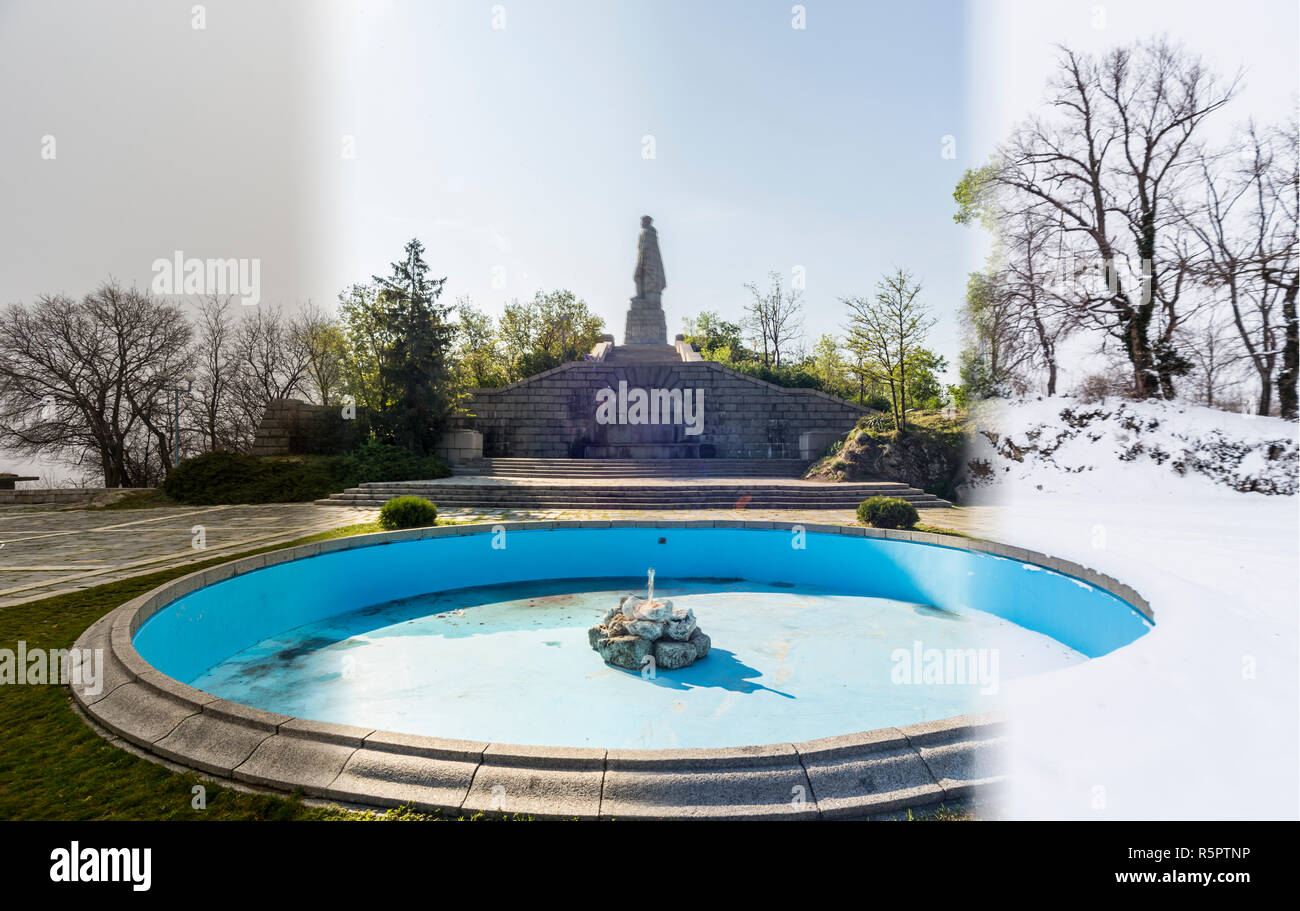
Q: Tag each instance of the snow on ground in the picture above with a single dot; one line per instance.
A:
(1064, 436)
(1200, 718)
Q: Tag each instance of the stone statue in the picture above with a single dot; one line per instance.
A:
(649, 274)
(646, 324)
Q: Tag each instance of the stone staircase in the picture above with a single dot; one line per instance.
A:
(642, 354)
(503, 493)
(598, 469)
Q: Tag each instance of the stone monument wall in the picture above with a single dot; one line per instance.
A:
(293, 427)
(553, 414)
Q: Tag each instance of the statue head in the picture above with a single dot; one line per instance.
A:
(646, 221)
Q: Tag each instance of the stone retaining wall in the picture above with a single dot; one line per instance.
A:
(553, 414)
(293, 427)
(285, 422)
(52, 494)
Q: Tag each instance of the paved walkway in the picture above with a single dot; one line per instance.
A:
(45, 550)
(975, 520)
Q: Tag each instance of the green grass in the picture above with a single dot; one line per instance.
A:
(53, 766)
(943, 813)
(939, 530)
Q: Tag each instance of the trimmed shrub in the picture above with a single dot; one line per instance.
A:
(407, 512)
(887, 512)
(373, 461)
(230, 477)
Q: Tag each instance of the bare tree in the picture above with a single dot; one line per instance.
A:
(774, 317)
(1276, 257)
(1234, 230)
(272, 362)
(1111, 166)
(1027, 298)
(86, 380)
(217, 374)
(1213, 345)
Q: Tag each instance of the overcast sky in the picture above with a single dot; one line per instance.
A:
(318, 137)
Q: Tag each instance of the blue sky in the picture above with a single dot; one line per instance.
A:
(520, 149)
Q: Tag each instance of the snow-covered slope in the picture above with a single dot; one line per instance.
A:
(1200, 718)
(1043, 441)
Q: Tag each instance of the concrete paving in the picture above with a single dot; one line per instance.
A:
(46, 550)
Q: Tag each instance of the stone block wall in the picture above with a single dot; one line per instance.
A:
(457, 447)
(813, 443)
(553, 414)
(280, 422)
(292, 427)
(51, 495)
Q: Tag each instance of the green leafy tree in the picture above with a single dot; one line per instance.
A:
(975, 379)
(479, 361)
(551, 329)
(369, 335)
(827, 364)
(416, 367)
(974, 196)
(326, 348)
(716, 339)
(924, 391)
(885, 332)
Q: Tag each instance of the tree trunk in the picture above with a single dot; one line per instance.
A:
(1265, 396)
(1286, 377)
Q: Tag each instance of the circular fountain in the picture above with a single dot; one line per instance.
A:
(432, 667)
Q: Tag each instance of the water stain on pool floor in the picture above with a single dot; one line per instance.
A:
(512, 664)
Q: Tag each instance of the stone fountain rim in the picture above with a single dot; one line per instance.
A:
(917, 765)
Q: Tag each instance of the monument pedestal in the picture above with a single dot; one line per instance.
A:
(645, 323)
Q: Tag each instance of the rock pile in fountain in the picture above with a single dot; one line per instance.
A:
(640, 627)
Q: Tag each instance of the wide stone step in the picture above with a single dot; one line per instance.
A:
(633, 503)
(640, 497)
(618, 491)
(634, 473)
(647, 507)
(684, 465)
(635, 496)
(715, 472)
(602, 468)
(642, 354)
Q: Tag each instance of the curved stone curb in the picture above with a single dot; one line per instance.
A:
(848, 776)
